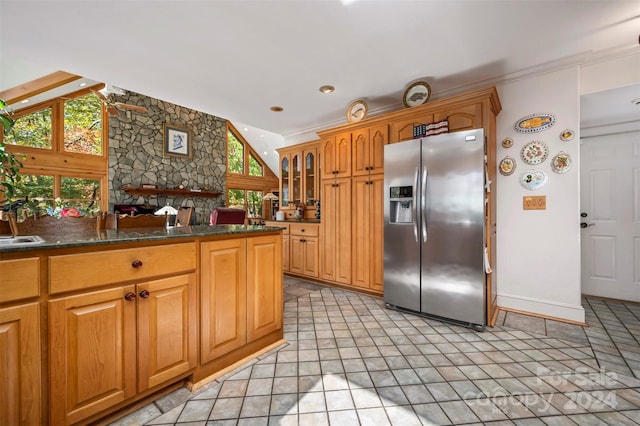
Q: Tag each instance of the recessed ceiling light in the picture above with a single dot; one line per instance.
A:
(24, 101)
(246, 129)
(265, 153)
(327, 88)
(83, 84)
(277, 108)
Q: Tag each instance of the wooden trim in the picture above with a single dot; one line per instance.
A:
(37, 86)
(440, 105)
(531, 314)
(205, 381)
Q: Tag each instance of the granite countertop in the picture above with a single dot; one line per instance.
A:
(112, 236)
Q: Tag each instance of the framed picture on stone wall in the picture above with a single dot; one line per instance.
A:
(177, 142)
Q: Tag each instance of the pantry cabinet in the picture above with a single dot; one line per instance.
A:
(368, 150)
(335, 231)
(367, 239)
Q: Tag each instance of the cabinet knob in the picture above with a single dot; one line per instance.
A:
(130, 296)
(137, 263)
(144, 294)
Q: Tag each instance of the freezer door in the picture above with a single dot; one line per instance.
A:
(452, 233)
(401, 239)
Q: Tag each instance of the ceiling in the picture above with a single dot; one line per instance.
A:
(236, 59)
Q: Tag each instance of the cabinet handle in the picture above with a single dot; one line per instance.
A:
(144, 294)
(130, 296)
(137, 263)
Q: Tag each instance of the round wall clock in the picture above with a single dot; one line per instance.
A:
(357, 111)
(416, 94)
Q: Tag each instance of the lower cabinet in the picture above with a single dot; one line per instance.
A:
(304, 249)
(241, 293)
(101, 352)
(20, 365)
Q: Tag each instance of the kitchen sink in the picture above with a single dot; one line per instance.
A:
(20, 241)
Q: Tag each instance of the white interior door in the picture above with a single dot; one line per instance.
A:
(610, 197)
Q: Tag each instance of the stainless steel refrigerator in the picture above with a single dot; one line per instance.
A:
(434, 234)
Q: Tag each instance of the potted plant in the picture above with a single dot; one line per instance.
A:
(9, 164)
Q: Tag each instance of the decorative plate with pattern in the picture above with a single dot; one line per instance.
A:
(535, 123)
(507, 166)
(561, 163)
(533, 179)
(566, 135)
(534, 152)
(507, 143)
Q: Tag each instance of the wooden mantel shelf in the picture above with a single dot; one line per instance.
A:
(171, 192)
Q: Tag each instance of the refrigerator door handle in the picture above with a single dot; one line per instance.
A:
(415, 207)
(423, 204)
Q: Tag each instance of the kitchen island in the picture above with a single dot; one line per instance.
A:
(95, 323)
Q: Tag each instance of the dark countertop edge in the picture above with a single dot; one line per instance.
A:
(296, 221)
(110, 237)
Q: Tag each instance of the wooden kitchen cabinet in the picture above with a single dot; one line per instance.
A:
(299, 171)
(240, 293)
(461, 118)
(20, 380)
(20, 349)
(108, 346)
(223, 297)
(402, 128)
(264, 286)
(367, 239)
(335, 231)
(335, 156)
(368, 150)
(92, 353)
(304, 249)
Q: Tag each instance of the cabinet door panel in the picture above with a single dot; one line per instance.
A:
(264, 286)
(376, 206)
(92, 354)
(342, 159)
(20, 365)
(166, 329)
(342, 215)
(296, 263)
(462, 118)
(360, 225)
(328, 232)
(285, 253)
(310, 264)
(223, 297)
(379, 136)
(327, 157)
(360, 152)
(402, 130)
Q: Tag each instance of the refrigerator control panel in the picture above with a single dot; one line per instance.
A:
(401, 192)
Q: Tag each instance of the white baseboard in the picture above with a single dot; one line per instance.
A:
(542, 307)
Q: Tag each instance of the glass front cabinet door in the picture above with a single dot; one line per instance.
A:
(284, 181)
(296, 181)
(310, 178)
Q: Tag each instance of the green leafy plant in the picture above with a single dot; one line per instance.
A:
(10, 165)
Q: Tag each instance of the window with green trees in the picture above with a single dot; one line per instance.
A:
(235, 154)
(63, 141)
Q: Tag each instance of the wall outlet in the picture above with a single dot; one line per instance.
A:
(538, 202)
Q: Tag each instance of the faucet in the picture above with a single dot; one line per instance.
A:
(13, 207)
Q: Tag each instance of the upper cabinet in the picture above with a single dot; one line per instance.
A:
(368, 150)
(299, 171)
(335, 153)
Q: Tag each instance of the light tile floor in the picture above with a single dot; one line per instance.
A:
(350, 361)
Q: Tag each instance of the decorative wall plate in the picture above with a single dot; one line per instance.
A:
(357, 111)
(507, 166)
(535, 123)
(507, 143)
(561, 163)
(533, 179)
(416, 94)
(534, 152)
(566, 135)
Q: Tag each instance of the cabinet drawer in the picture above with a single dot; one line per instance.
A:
(19, 279)
(78, 271)
(310, 230)
(285, 231)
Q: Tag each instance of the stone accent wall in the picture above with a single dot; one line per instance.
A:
(136, 155)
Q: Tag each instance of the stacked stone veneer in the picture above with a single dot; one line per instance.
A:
(136, 155)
